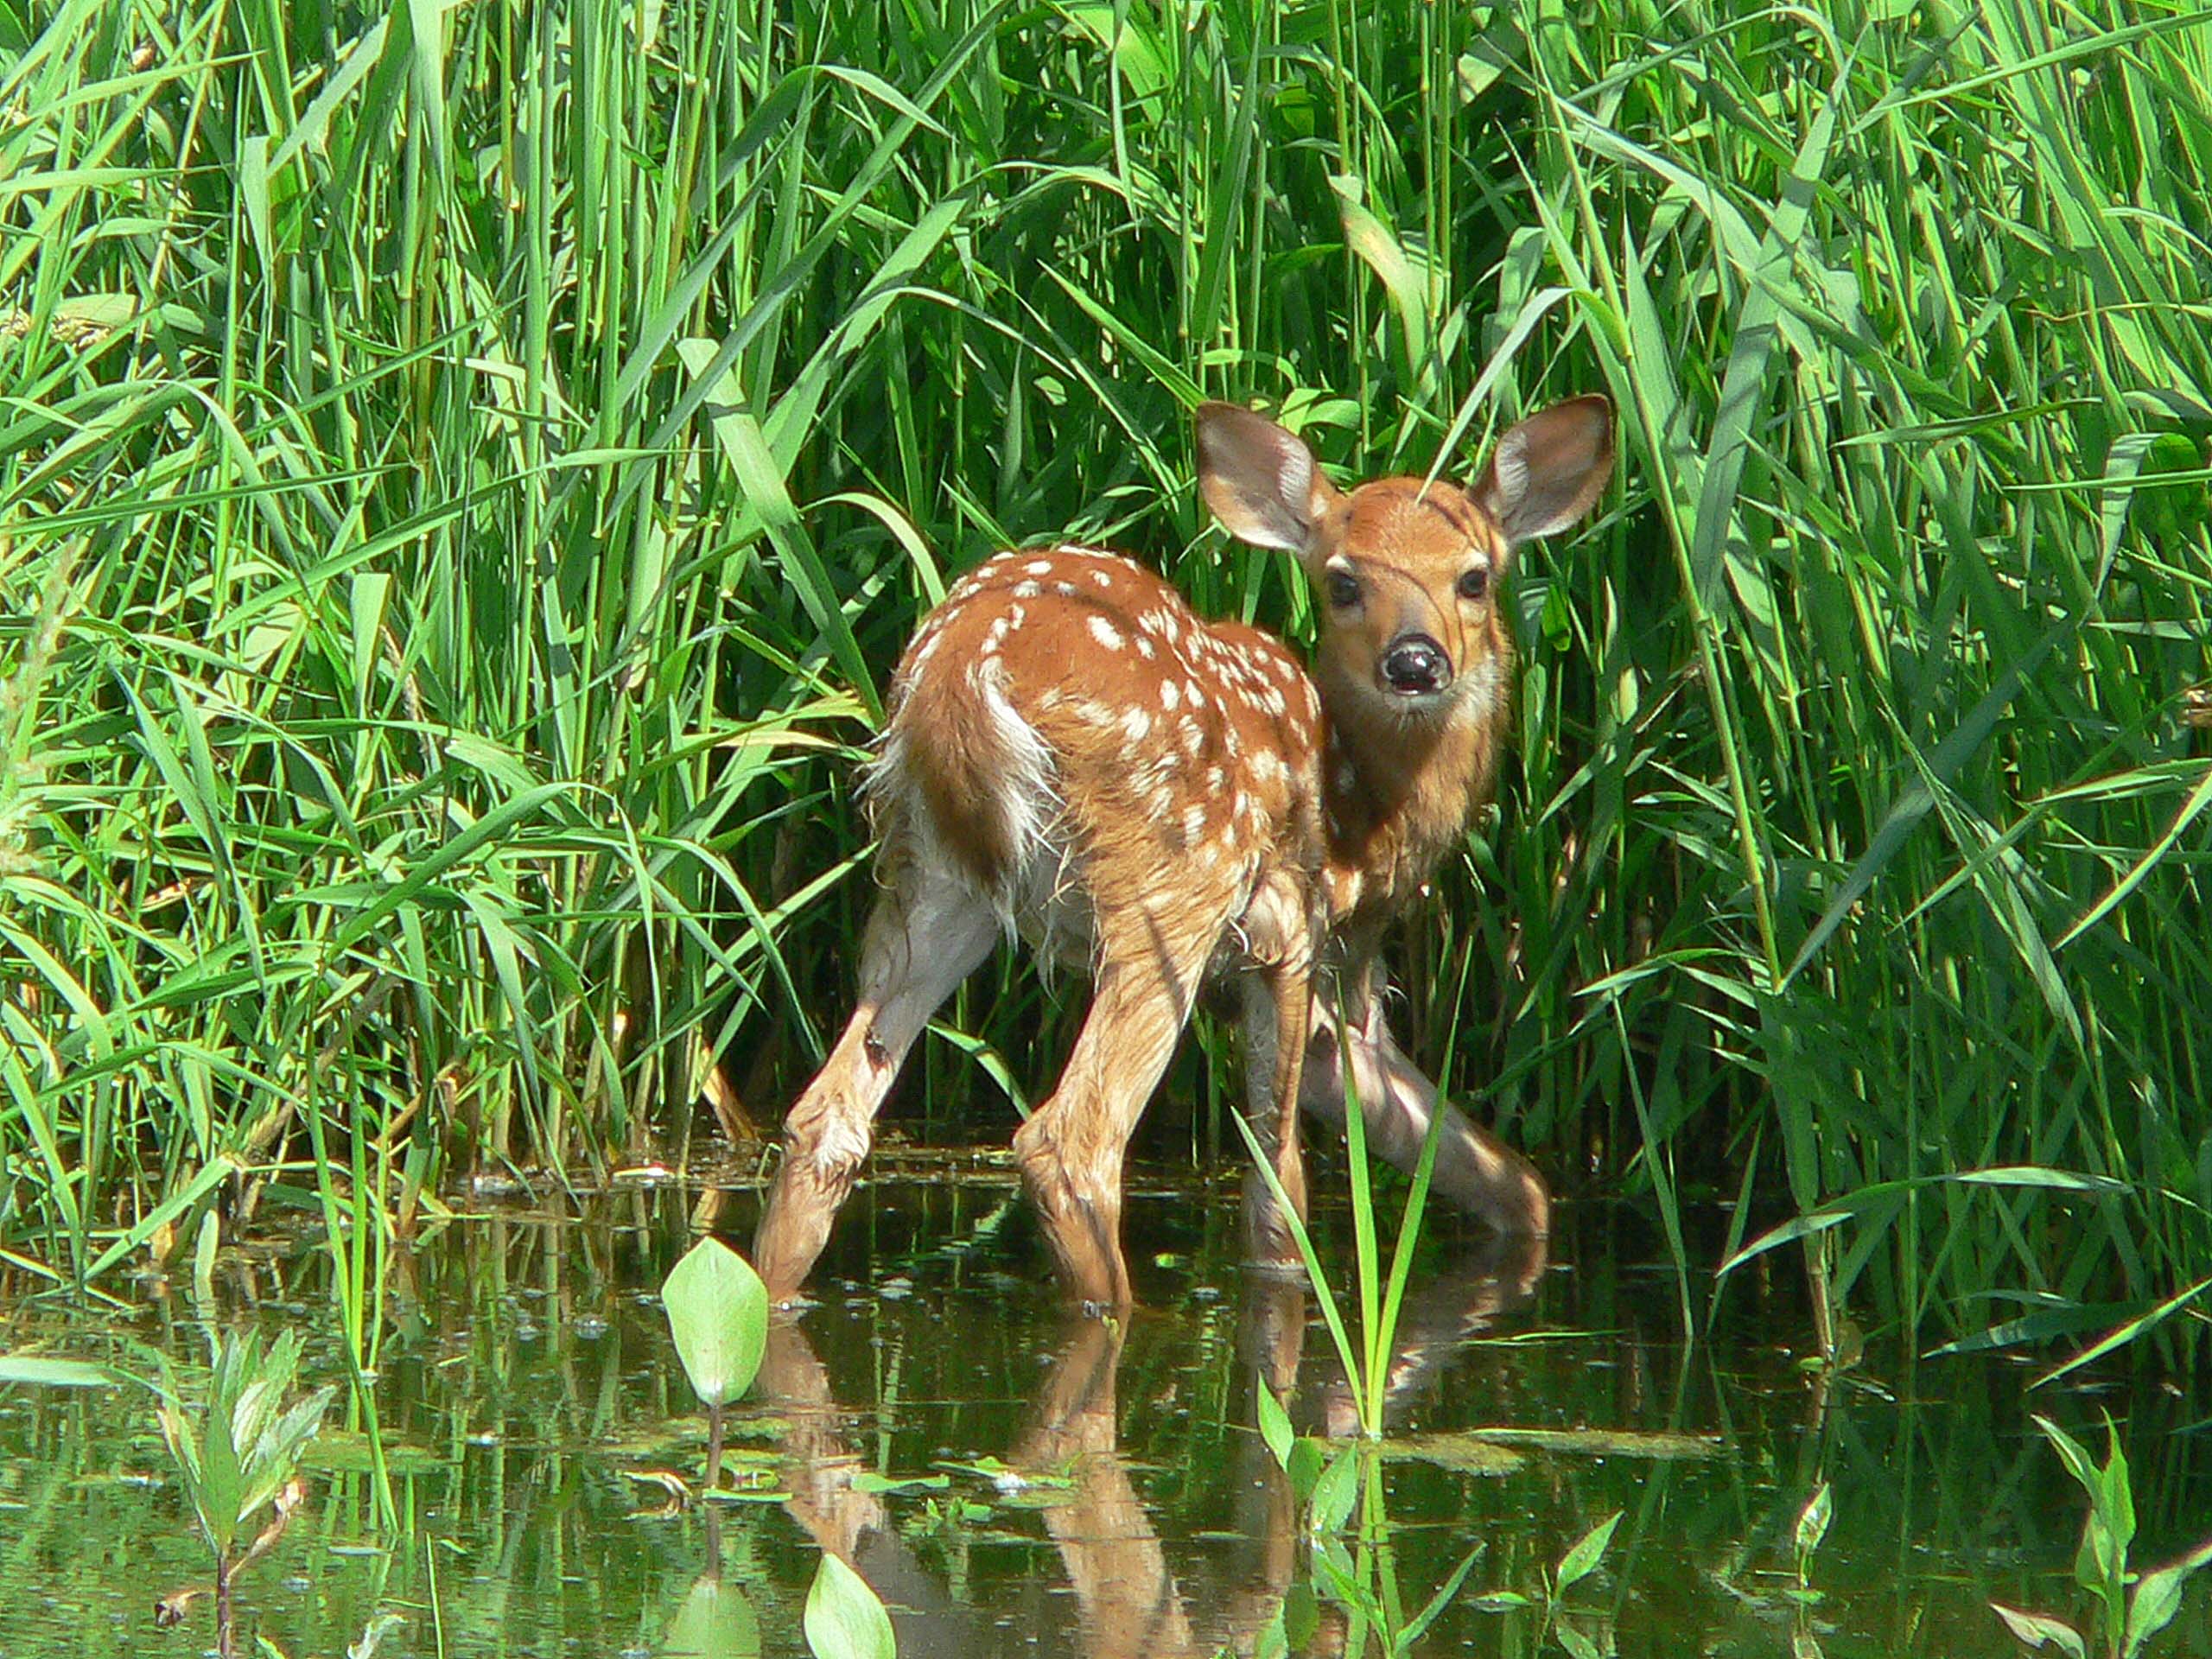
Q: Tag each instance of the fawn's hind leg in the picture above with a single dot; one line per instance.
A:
(928, 933)
(1151, 956)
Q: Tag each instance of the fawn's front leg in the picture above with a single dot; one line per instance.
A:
(1151, 956)
(1278, 1004)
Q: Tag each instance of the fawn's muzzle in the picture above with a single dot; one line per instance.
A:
(1416, 667)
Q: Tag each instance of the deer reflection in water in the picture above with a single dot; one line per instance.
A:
(1131, 1602)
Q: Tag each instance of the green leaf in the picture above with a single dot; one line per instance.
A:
(41, 1372)
(2037, 1629)
(1401, 277)
(1337, 1492)
(715, 1622)
(868, 1481)
(718, 1313)
(2157, 1598)
(844, 1620)
(1813, 1521)
(1274, 1423)
(1589, 1549)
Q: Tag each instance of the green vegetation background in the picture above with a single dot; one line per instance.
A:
(464, 472)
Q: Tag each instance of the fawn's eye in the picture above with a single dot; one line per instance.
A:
(1343, 589)
(1474, 583)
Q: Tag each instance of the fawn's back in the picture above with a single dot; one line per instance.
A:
(1073, 738)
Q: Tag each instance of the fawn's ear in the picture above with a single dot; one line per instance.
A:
(1549, 470)
(1261, 482)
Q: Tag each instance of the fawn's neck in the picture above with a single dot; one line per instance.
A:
(1399, 792)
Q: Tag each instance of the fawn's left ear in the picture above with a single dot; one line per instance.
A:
(1549, 470)
(1261, 481)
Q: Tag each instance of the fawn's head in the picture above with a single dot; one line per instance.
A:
(1408, 574)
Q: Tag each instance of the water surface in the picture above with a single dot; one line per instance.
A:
(1013, 1480)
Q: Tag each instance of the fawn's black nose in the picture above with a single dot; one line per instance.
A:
(1415, 665)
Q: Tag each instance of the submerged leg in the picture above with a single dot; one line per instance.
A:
(927, 934)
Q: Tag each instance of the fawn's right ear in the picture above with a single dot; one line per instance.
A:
(1261, 482)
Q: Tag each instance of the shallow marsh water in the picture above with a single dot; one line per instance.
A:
(1015, 1480)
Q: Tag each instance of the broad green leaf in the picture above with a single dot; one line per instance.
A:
(716, 1622)
(39, 1371)
(1582, 1558)
(718, 1313)
(1304, 1465)
(1337, 1493)
(1274, 1423)
(2038, 1629)
(2157, 1598)
(1813, 1521)
(843, 1618)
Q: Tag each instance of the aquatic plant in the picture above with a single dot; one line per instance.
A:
(1366, 1361)
(844, 1619)
(237, 1452)
(718, 1314)
(2126, 1617)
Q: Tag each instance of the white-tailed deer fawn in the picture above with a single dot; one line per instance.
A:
(1073, 754)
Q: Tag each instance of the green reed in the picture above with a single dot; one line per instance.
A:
(465, 473)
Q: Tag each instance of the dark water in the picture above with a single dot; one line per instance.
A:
(1014, 1480)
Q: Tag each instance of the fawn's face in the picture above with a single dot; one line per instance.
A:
(1406, 583)
(1407, 574)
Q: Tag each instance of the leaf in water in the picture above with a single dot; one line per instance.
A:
(1304, 1467)
(718, 1313)
(1588, 1442)
(2157, 1598)
(41, 1372)
(1337, 1491)
(844, 1620)
(2037, 1628)
(715, 1622)
(868, 1481)
(1813, 1521)
(1580, 1561)
(349, 1451)
(1465, 1454)
(1499, 1601)
(1009, 1480)
(1274, 1423)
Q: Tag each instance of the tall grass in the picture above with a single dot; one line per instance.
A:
(464, 471)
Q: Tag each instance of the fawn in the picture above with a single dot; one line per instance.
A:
(1073, 754)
